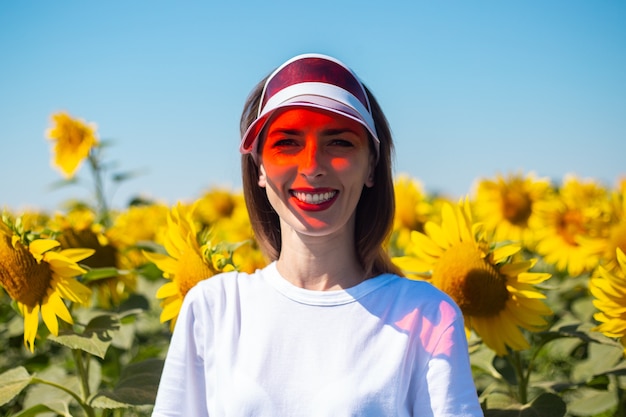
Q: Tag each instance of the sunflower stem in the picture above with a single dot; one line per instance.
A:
(96, 169)
(621, 402)
(83, 375)
(88, 410)
(522, 377)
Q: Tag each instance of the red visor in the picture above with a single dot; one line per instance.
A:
(317, 81)
(314, 69)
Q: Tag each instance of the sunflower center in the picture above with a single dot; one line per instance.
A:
(570, 225)
(22, 277)
(190, 270)
(517, 207)
(476, 286)
(104, 255)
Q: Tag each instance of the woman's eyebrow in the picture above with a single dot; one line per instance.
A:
(338, 131)
(325, 132)
(284, 131)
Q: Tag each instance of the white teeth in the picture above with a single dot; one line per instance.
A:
(314, 198)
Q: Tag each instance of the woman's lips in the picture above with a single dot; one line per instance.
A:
(314, 200)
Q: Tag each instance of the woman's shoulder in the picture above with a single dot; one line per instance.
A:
(222, 286)
(412, 285)
(417, 291)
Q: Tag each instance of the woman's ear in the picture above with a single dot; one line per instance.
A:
(262, 177)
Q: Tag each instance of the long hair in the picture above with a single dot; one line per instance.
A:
(374, 211)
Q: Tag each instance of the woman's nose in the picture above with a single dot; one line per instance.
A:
(311, 161)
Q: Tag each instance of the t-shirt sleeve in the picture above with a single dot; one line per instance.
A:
(183, 385)
(450, 385)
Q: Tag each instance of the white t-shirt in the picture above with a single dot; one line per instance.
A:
(256, 345)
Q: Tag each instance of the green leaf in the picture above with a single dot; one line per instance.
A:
(591, 402)
(135, 304)
(619, 370)
(63, 183)
(12, 382)
(95, 274)
(505, 368)
(580, 331)
(96, 338)
(482, 361)
(137, 386)
(600, 358)
(546, 405)
(501, 401)
(124, 176)
(150, 271)
(43, 408)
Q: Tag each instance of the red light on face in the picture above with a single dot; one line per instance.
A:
(314, 165)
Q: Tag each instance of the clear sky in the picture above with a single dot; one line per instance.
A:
(471, 88)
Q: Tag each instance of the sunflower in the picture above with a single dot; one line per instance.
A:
(79, 229)
(609, 292)
(190, 259)
(574, 226)
(411, 211)
(495, 292)
(39, 279)
(617, 232)
(216, 204)
(73, 140)
(137, 226)
(235, 226)
(506, 206)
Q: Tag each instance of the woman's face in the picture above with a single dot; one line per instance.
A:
(314, 165)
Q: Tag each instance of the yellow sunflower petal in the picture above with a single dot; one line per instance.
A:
(39, 246)
(62, 265)
(72, 290)
(536, 306)
(488, 331)
(31, 324)
(171, 309)
(163, 262)
(621, 257)
(450, 224)
(524, 318)
(514, 337)
(526, 292)
(437, 234)
(53, 308)
(168, 289)
(465, 231)
(426, 245)
(613, 327)
(77, 255)
(516, 268)
(533, 278)
(503, 252)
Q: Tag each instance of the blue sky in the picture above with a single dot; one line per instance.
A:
(471, 88)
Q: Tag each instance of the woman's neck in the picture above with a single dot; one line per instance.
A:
(320, 263)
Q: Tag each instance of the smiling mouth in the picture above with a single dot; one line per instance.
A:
(314, 198)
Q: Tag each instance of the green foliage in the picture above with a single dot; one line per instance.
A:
(12, 382)
(137, 386)
(570, 370)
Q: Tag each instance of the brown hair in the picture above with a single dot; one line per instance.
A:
(374, 212)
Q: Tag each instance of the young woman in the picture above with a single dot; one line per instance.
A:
(329, 327)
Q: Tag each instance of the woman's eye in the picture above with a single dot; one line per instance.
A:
(280, 143)
(341, 142)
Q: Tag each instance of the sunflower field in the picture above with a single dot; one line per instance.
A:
(89, 295)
